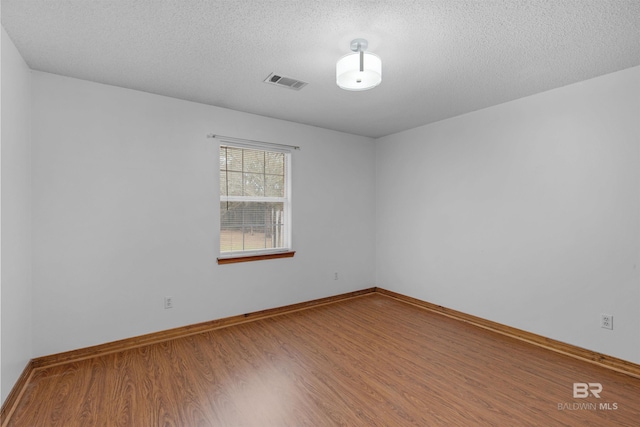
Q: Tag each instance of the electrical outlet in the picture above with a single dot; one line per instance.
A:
(606, 321)
(335, 276)
(168, 302)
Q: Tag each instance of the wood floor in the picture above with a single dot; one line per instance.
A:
(366, 361)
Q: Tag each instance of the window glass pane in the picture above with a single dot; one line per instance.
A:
(253, 161)
(275, 237)
(231, 239)
(234, 183)
(223, 183)
(274, 163)
(253, 213)
(230, 226)
(223, 158)
(231, 214)
(253, 184)
(251, 226)
(254, 237)
(274, 186)
(234, 159)
(275, 225)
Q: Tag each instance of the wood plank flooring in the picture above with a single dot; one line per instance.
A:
(366, 361)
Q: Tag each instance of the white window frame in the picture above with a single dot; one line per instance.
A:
(286, 200)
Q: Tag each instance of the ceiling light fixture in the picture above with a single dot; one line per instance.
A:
(359, 70)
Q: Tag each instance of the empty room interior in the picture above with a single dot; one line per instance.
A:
(261, 213)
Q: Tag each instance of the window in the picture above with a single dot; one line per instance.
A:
(255, 203)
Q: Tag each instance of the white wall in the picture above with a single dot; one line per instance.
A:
(16, 216)
(125, 212)
(526, 213)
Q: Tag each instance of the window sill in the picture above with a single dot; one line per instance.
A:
(233, 260)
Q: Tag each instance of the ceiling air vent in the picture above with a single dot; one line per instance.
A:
(278, 80)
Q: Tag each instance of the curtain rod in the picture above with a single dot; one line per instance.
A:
(230, 138)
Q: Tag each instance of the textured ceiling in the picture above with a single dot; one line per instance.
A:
(441, 58)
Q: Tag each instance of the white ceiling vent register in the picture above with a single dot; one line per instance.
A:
(278, 80)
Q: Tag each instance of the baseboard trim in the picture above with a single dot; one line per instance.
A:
(16, 393)
(576, 352)
(184, 331)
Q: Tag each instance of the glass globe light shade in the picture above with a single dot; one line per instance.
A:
(349, 76)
